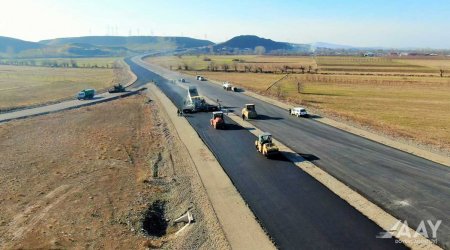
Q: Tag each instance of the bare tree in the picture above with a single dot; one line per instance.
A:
(212, 66)
(225, 67)
(235, 66)
(259, 50)
(302, 69)
(248, 68)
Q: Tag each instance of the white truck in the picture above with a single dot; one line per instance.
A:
(227, 86)
(200, 78)
(299, 111)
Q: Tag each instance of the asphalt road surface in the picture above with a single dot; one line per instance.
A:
(408, 187)
(42, 110)
(295, 209)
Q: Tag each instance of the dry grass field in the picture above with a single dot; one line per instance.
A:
(200, 63)
(22, 86)
(413, 107)
(421, 66)
(95, 62)
(101, 177)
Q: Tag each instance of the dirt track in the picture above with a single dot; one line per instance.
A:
(96, 177)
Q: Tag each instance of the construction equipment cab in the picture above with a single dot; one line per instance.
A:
(217, 120)
(117, 89)
(249, 112)
(265, 145)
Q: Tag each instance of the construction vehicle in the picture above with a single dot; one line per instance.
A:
(200, 78)
(117, 89)
(299, 111)
(249, 112)
(86, 94)
(196, 103)
(217, 120)
(227, 86)
(265, 145)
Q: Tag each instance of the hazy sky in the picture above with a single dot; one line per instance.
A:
(389, 23)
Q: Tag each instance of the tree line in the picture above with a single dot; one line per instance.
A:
(254, 68)
(56, 63)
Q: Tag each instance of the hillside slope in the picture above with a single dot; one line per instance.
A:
(10, 45)
(251, 41)
(135, 43)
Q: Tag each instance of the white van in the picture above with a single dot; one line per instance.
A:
(299, 111)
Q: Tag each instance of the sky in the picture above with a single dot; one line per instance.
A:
(384, 23)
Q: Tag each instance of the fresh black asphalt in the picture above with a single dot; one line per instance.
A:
(407, 186)
(296, 210)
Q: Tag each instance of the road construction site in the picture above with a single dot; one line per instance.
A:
(295, 205)
(293, 208)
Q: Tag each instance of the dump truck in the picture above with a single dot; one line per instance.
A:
(196, 103)
(117, 88)
(249, 112)
(217, 120)
(86, 94)
(265, 145)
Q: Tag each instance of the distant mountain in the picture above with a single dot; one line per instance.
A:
(11, 46)
(134, 43)
(250, 42)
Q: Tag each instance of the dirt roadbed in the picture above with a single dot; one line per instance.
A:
(112, 175)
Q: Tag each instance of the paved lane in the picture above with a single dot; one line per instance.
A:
(295, 209)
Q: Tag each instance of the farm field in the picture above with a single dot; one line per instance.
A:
(412, 107)
(22, 86)
(323, 64)
(95, 62)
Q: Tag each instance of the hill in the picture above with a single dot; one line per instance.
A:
(133, 43)
(249, 42)
(11, 46)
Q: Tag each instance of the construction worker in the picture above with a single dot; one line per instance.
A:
(243, 117)
(178, 112)
(289, 111)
